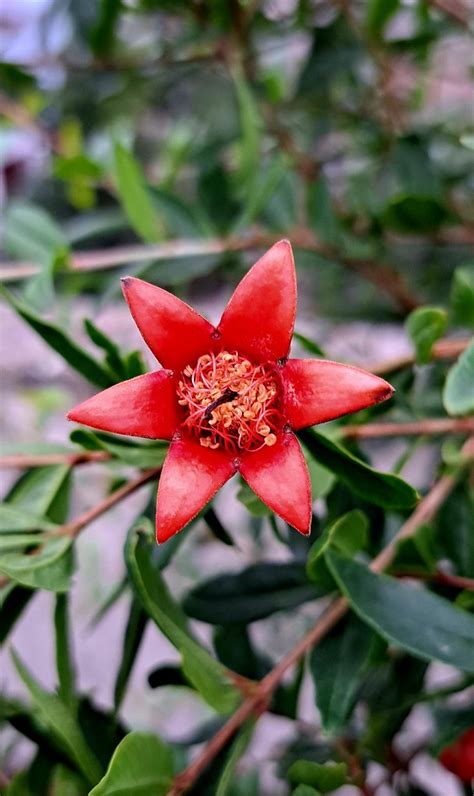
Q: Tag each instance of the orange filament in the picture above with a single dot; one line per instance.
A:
(231, 403)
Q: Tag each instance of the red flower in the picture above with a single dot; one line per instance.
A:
(459, 756)
(228, 397)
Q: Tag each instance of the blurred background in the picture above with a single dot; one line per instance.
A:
(175, 141)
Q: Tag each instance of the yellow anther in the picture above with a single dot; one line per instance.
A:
(270, 440)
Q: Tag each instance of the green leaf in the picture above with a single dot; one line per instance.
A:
(50, 569)
(65, 782)
(250, 131)
(425, 325)
(309, 345)
(113, 359)
(13, 601)
(61, 724)
(338, 665)
(30, 233)
(462, 296)
(322, 217)
(59, 341)
(205, 673)
(379, 12)
(410, 617)
(141, 764)
(457, 514)
(305, 790)
(143, 455)
(458, 393)
(450, 722)
(43, 491)
(414, 213)
(347, 534)
(252, 503)
(133, 635)
(256, 592)
(13, 520)
(325, 777)
(64, 663)
(236, 751)
(134, 196)
(18, 541)
(381, 489)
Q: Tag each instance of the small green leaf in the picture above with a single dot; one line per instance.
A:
(64, 663)
(379, 12)
(143, 455)
(18, 541)
(325, 777)
(59, 341)
(206, 674)
(252, 594)
(414, 213)
(13, 520)
(50, 569)
(411, 617)
(30, 233)
(134, 196)
(381, 489)
(43, 491)
(425, 325)
(113, 358)
(252, 503)
(133, 635)
(309, 345)
(347, 535)
(462, 296)
(141, 764)
(338, 665)
(322, 216)
(458, 393)
(61, 724)
(305, 790)
(250, 128)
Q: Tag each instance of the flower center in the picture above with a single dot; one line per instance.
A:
(230, 402)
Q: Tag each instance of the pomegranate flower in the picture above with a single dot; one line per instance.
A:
(228, 398)
(458, 757)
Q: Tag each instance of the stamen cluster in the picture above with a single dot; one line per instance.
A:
(231, 402)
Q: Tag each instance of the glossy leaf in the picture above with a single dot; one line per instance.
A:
(408, 616)
(252, 594)
(64, 663)
(61, 724)
(338, 665)
(60, 342)
(133, 635)
(347, 534)
(236, 751)
(382, 489)
(325, 778)
(50, 569)
(142, 764)
(136, 454)
(204, 672)
(425, 325)
(458, 395)
(462, 296)
(134, 196)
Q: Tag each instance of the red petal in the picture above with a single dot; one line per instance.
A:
(145, 406)
(317, 390)
(279, 476)
(191, 476)
(175, 333)
(259, 318)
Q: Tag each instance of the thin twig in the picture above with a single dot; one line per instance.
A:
(442, 349)
(432, 425)
(258, 703)
(428, 427)
(22, 461)
(383, 276)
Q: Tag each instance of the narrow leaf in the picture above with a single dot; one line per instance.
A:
(61, 723)
(64, 664)
(458, 394)
(411, 617)
(425, 325)
(141, 764)
(134, 196)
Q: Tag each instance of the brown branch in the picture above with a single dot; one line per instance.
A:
(23, 461)
(442, 349)
(257, 704)
(381, 275)
(442, 425)
(443, 578)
